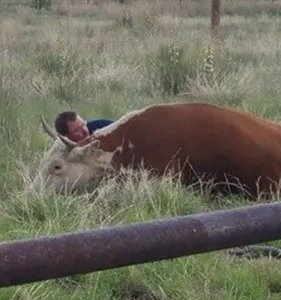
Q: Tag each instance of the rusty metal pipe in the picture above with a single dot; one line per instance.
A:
(79, 253)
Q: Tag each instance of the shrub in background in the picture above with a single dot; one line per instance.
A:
(42, 4)
(61, 66)
(125, 19)
(170, 68)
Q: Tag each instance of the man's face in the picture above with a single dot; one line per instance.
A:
(77, 130)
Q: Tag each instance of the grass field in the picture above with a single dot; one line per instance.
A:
(103, 60)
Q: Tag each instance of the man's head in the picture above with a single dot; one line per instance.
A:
(72, 126)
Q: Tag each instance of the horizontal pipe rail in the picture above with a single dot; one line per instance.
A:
(57, 256)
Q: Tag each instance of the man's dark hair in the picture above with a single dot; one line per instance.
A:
(62, 119)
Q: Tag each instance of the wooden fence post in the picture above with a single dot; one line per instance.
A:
(215, 17)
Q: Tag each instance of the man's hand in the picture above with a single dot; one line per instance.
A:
(85, 141)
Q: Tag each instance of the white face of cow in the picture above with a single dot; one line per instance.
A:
(65, 168)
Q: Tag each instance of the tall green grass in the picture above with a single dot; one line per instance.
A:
(104, 60)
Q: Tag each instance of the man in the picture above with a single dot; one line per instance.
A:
(74, 127)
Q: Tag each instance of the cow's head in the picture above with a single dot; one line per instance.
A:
(67, 167)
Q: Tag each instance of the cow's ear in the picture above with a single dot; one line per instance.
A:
(93, 149)
(94, 145)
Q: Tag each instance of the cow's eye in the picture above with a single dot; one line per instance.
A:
(57, 166)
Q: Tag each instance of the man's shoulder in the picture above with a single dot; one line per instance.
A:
(97, 124)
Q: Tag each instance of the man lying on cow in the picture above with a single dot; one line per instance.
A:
(75, 128)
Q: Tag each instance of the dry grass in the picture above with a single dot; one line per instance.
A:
(104, 59)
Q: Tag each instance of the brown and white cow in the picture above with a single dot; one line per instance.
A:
(201, 141)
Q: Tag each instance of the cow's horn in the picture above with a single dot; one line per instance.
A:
(48, 129)
(70, 144)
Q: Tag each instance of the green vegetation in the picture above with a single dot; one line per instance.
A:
(105, 59)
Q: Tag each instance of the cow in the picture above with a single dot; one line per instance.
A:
(235, 150)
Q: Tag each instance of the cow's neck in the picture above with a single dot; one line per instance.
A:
(112, 137)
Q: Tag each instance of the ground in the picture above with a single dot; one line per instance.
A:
(104, 60)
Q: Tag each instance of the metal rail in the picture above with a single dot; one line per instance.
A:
(83, 252)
